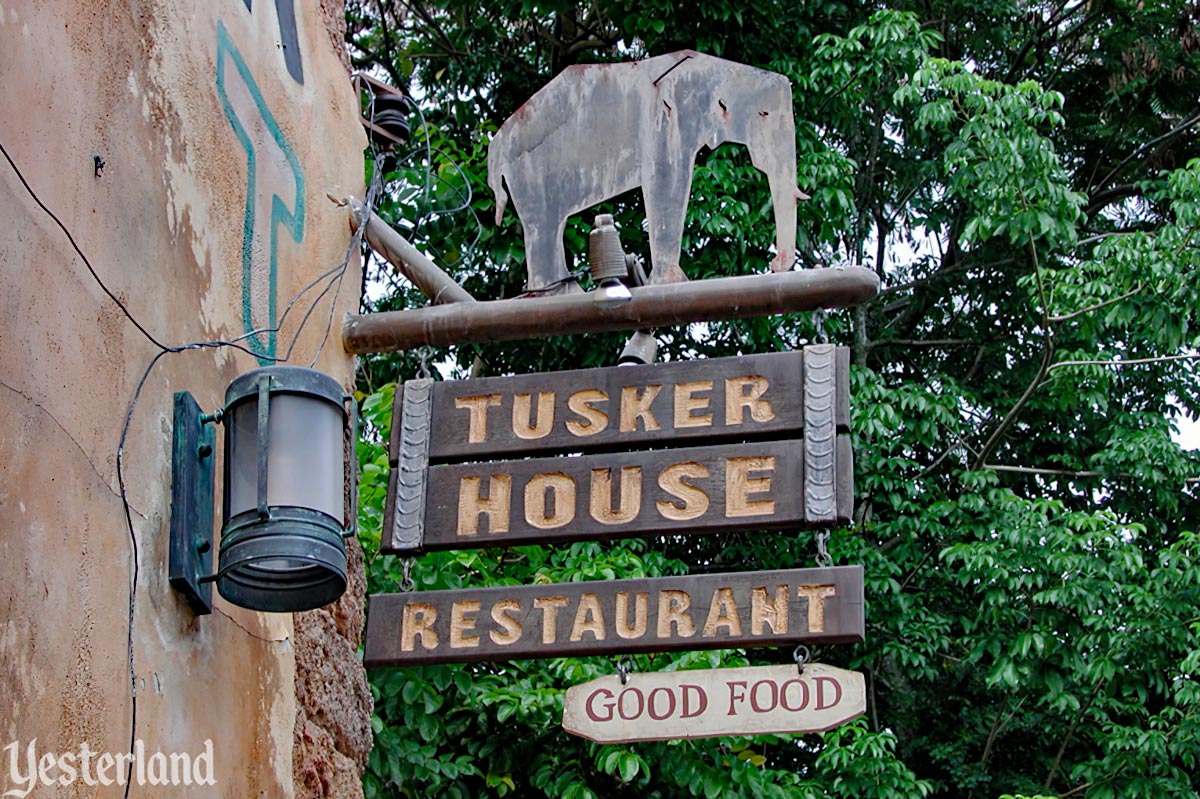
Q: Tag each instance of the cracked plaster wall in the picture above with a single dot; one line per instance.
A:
(177, 97)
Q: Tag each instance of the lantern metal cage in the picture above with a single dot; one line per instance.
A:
(288, 492)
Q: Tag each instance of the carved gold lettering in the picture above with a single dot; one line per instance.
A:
(695, 501)
(593, 420)
(589, 618)
(477, 406)
(601, 496)
(739, 486)
(764, 612)
(418, 620)
(673, 609)
(686, 401)
(523, 425)
(461, 624)
(745, 393)
(635, 406)
(623, 627)
(816, 595)
(560, 489)
(549, 606)
(504, 613)
(722, 612)
(497, 507)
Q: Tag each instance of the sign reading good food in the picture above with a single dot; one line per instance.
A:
(709, 703)
(769, 608)
(627, 460)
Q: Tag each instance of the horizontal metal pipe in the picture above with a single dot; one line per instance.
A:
(435, 284)
(652, 306)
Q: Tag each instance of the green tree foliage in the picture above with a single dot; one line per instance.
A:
(1024, 177)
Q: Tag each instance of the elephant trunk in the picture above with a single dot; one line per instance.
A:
(773, 151)
(496, 161)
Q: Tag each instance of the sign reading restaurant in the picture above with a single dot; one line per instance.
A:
(713, 611)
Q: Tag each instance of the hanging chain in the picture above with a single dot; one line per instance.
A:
(819, 319)
(624, 666)
(801, 655)
(423, 356)
(823, 559)
(407, 583)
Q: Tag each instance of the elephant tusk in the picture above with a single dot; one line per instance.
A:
(801, 195)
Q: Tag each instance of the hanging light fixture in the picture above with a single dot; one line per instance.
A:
(288, 492)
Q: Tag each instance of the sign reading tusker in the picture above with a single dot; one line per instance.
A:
(714, 611)
(784, 458)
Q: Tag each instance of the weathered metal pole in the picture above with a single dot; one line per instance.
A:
(652, 306)
(438, 286)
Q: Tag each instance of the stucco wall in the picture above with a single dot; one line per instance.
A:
(219, 151)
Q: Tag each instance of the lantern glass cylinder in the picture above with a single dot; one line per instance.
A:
(305, 461)
(282, 546)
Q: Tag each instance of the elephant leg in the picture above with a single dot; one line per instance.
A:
(666, 192)
(546, 257)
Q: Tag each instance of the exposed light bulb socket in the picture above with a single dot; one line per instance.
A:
(606, 257)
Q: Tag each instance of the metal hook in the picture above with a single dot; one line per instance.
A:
(824, 561)
(407, 583)
(624, 666)
(423, 356)
(801, 655)
(819, 319)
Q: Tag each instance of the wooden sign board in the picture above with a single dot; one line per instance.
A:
(709, 703)
(786, 459)
(620, 407)
(712, 611)
(688, 490)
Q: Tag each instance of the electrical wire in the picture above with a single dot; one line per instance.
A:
(332, 277)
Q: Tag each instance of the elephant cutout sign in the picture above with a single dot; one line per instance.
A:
(599, 130)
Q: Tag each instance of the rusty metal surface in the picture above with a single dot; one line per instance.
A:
(599, 130)
(652, 306)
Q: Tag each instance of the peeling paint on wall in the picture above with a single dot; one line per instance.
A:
(274, 194)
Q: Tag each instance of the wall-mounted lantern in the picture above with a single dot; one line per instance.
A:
(288, 488)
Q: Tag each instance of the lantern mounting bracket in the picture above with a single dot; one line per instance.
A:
(192, 468)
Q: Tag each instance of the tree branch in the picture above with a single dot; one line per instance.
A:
(1175, 131)
(1049, 472)
(1098, 305)
(1070, 734)
(1047, 354)
(1107, 197)
(1128, 362)
(929, 342)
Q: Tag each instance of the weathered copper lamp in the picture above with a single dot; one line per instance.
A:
(288, 493)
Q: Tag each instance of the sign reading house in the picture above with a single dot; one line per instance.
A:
(713, 611)
(750, 442)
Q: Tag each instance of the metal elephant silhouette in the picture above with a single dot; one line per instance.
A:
(596, 131)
